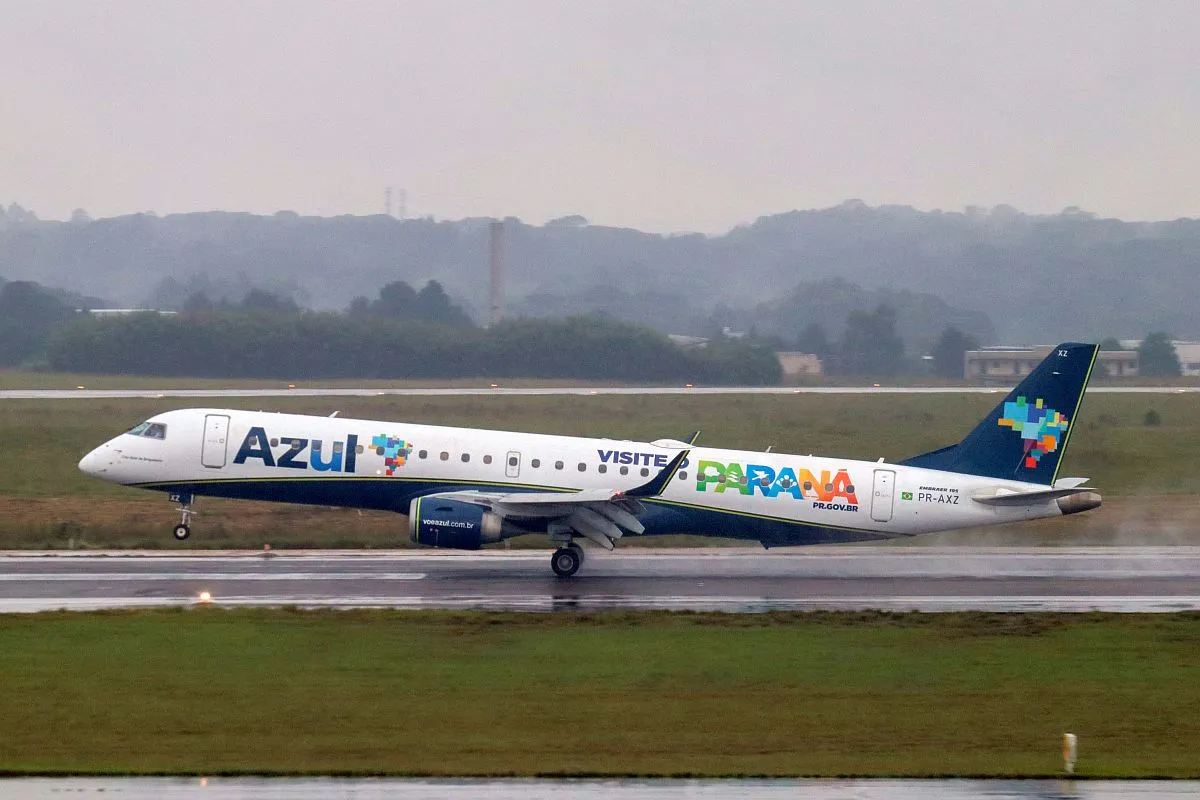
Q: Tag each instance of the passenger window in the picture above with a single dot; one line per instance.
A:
(558, 465)
(274, 442)
(582, 467)
(466, 457)
(487, 459)
(602, 468)
(338, 447)
(423, 454)
(682, 476)
(512, 461)
(445, 456)
(535, 463)
(645, 472)
(624, 470)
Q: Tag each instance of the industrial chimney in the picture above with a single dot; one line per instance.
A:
(496, 302)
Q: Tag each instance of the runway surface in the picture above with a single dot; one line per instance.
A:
(417, 789)
(740, 580)
(107, 394)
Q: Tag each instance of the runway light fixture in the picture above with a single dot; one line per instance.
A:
(1070, 752)
(205, 596)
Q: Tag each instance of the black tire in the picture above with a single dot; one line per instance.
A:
(181, 532)
(565, 561)
(578, 551)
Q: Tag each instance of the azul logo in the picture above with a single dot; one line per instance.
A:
(395, 451)
(338, 457)
(800, 484)
(1040, 428)
(637, 459)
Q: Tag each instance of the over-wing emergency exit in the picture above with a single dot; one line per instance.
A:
(464, 488)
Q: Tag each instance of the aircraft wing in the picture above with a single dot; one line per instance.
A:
(601, 515)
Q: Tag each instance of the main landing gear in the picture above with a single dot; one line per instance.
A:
(183, 530)
(566, 560)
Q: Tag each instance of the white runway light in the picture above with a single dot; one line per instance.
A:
(205, 597)
(1070, 752)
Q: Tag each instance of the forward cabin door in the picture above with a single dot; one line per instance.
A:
(883, 495)
(216, 436)
(512, 464)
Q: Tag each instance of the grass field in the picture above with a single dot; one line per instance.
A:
(1147, 472)
(254, 691)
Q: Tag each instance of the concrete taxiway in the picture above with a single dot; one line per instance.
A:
(1123, 579)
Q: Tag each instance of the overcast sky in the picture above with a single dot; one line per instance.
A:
(662, 116)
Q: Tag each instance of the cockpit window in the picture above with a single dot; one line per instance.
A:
(149, 430)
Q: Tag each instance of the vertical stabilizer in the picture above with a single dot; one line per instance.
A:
(1024, 437)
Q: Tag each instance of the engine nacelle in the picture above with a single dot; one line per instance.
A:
(453, 524)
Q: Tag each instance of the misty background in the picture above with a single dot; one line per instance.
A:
(996, 274)
(1025, 172)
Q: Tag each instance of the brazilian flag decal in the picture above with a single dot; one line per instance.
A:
(906, 495)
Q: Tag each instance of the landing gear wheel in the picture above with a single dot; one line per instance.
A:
(181, 532)
(566, 560)
(579, 551)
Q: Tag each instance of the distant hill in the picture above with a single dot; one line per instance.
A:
(1032, 278)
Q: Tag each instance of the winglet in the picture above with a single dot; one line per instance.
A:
(692, 439)
(658, 484)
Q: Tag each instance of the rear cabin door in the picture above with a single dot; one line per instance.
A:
(216, 436)
(883, 495)
(512, 464)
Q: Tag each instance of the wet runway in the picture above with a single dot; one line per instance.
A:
(1121, 579)
(107, 394)
(378, 789)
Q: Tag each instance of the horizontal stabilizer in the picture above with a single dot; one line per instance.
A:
(1005, 497)
(1069, 483)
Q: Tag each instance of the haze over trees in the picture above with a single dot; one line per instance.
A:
(999, 275)
(1157, 356)
(253, 342)
(950, 351)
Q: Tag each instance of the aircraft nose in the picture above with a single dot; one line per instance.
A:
(95, 462)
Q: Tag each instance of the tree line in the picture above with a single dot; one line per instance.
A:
(410, 333)
(401, 334)
(985, 258)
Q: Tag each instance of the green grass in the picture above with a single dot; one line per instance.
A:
(43, 440)
(212, 691)
(46, 502)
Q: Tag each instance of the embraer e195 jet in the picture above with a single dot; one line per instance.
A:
(464, 488)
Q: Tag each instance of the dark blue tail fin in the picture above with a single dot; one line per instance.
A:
(1024, 437)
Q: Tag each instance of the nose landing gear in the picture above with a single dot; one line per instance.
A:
(183, 530)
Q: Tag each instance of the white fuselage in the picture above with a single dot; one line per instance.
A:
(378, 464)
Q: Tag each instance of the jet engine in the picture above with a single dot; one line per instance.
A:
(455, 524)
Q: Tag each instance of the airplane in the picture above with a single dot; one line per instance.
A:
(463, 488)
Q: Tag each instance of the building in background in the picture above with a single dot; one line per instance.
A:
(796, 365)
(1189, 357)
(1009, 363)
